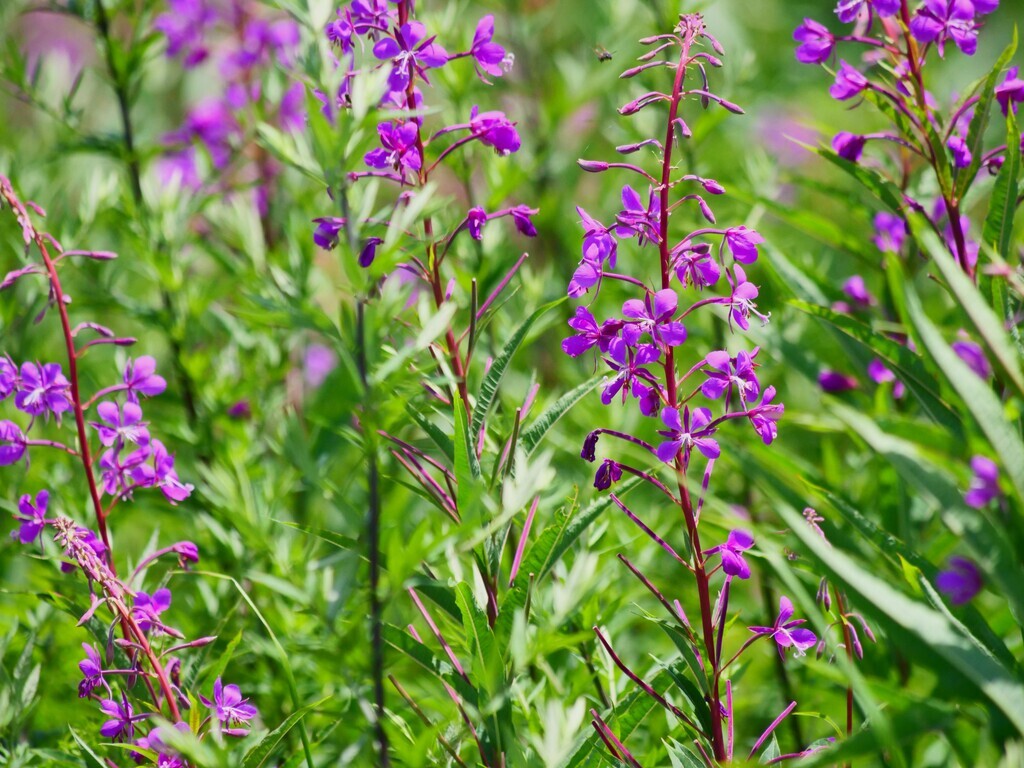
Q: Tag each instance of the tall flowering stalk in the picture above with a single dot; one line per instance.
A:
(692, 399)
(118, 457)
(387, 38)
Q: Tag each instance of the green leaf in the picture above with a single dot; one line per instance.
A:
(907, 365)
(489, 388)
(87, 749)
(976, 130)
(887, 192)
(258, 755)
(467, 466)
(530, 438)
(970, 299)
(442, 440)
(979, 398)
(441, 668)
(556, 539)
(998, 230)
(770, 752)
(938, 632)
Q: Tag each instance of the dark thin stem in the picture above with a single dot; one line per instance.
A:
(848, 642)
(373, 545)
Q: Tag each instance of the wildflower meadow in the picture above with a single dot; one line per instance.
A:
(511, 383)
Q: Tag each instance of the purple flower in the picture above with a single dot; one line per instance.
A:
(960, 582)
(695, 265)
(12, 443)
(743, 243)
(1010, 91)
(370, 14)
(147, 608)
(816, 42)
(628, 364)
(984, 484)
(8, 377)
(599, 246)
(475, 220)
(231, 709)
(42, 388)
(766, 415)
(521, 218)
(848, 10)
(495, 130)
(858, 291)
(140, 378)
(890, 232)
(848, 146)
(184, 26)
(317, 364)
(882, 375)
(212, 123)
(122, 426)
(114, 470)
(32, 517)
(741, 302)
(92, 672)
(120, 727)
(489, 56)
(638, 220)
(849, 82)
(399, 150)
(590, 333)
(961, 154)
(409, 50)
(787, 631)
(326, 233)
(690, 431)
(728, 372)
(161, 474)
(974, 356)
(833, 381)
(940, 20)
(653, 318)
(369, 251)
(607, 474)
(732, 551)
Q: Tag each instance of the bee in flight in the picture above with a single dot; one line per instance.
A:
(602, 53)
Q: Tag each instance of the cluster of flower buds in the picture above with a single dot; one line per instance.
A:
(141, 645)
(408, 152)
(643, 348)
(242, 42)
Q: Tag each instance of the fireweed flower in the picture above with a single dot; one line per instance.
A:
(489, 57)
(407, 51)
(765, 417)
(230, 708)
(848, 10)
(941, 20)
(42, 388)
(653, 318)
(960, 582)
(122, 425)
(974, 356)
(787, 632)
(121, 726)
(493, 129)
(398, 149)
(590, 333)
(690, 431)
(326, 233)
(1010, 92)
(743, 243)
(816, 42)
(848, 146)
(728, 372)
(731, 552)
(833, 381)
(890, 232)
(32, 517)
(140, 378)
(147, 608)
(849, 82)
(92, 672)
(185, 25)
(636, 219)
(317, 364)
(985, 483)
(858, 291)
(8, 377)
(607, 475)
